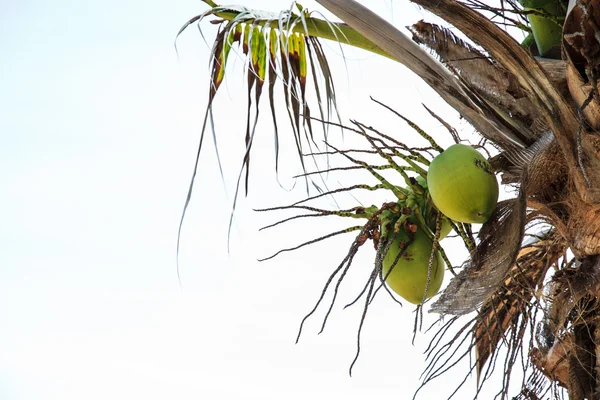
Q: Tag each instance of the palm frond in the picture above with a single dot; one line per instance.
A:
(279, 46)
(274, 47)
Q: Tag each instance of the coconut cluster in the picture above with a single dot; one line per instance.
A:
(461, 187)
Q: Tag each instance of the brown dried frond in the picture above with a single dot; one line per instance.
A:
(483, 76)
(499, 243)
(501, 311)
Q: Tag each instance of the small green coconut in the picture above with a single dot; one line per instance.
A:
(408, 277)
(462, 185)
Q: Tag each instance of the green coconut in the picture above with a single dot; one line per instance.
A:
(408, 277)
(546, 33)
(462, 185)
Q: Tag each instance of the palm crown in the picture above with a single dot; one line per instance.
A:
(533, 268)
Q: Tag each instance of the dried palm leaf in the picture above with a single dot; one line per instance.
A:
(502, 310)
(481, 75)
(499, 243)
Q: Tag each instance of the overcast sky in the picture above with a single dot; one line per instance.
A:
(98, 134)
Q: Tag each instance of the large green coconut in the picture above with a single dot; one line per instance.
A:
(462, 185)
(408, 278)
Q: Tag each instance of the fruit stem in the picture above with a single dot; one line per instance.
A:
(463, 234)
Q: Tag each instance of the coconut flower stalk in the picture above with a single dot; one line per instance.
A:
(532, 276)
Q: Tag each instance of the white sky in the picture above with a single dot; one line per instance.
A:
(99, 128)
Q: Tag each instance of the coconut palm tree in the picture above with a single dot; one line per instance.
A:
(531, 284)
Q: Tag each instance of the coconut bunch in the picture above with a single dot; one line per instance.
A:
(451, 190)
(431, 192)
(460, 187)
